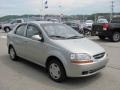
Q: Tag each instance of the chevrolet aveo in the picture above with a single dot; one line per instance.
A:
(57, 47)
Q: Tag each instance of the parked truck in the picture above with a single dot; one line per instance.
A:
(108, 29)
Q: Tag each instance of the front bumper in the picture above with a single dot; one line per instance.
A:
(103, 33)
(86, 69)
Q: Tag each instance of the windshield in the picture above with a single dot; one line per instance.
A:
(60, 31)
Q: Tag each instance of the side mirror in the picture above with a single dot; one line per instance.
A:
(37, 37)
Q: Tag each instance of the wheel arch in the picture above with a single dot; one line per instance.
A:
(10, 45)
(50, 58)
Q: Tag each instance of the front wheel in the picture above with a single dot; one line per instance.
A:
(56, 71)
(115, 37)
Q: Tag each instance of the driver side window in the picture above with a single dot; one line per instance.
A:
(31, 31)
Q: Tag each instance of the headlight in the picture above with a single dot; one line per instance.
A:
(80, 58)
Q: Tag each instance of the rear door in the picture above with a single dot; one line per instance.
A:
(19, 39)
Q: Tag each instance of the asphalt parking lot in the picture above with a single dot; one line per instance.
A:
(23, 75)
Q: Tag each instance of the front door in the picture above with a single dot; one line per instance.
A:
(35, 50)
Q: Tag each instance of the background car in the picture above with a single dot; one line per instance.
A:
(87, 27)
(111, 30)
(9, 26)
(88, 24)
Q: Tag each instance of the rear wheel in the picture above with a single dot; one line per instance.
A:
(12, 53)
(115, 37)
(102, 37)
(7, 29)
(56, 71)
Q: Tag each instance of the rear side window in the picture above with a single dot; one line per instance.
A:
(21, 30)
(115, 20)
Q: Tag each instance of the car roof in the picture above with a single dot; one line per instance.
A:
(42, 22)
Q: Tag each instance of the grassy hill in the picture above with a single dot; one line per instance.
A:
(76, 17)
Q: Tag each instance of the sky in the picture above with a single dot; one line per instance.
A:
(66, 7)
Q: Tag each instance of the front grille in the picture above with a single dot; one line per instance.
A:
(99, 56)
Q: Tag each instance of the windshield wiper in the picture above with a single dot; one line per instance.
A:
(57, 36)
(75, 37)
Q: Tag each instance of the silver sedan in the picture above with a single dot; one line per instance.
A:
(57, 47)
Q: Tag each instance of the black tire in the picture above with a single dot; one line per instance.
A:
(7, 29)
(61, 71)
(115, 37)
(12, 54)
(102, 37)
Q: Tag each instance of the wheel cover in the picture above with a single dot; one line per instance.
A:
(54, 71)
(116, 37)
(7, 29)
(12, 53)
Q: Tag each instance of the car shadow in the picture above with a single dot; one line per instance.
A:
(39, 74)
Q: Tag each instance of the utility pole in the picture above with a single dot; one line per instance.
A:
(42, 10)
(60, 8)
(112, 9)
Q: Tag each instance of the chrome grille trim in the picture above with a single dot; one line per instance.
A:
(99, 56)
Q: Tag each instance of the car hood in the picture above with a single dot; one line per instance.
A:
(82, 45)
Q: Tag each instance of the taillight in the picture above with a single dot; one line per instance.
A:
(105, 26)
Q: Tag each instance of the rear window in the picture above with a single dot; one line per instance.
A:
(102, 21)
